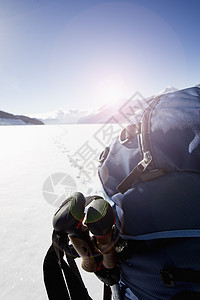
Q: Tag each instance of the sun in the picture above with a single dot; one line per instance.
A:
(112, 89)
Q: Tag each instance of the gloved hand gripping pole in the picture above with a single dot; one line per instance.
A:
(97, 252)
(69, 219)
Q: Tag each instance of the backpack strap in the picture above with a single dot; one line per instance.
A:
(185, 295)
(170, 275)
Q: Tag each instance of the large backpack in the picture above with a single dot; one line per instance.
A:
(151, 173)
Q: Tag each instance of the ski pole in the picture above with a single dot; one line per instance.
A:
(115, 292)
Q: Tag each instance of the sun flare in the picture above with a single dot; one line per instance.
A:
(112, 89)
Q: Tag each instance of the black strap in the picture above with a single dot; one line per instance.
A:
(61, 246)
(128, 180)
(170, 275)
(187, 295)
(107, 295)
(61, 243)
(53, 277)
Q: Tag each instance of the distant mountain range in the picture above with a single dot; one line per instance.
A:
(71, 116)
(120, 112)
(10, 119)
(123, 111)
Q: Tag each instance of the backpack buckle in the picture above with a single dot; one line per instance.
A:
(167, 277)
(143, 164)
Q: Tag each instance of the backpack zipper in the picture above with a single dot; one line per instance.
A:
(144, 137)
(147, 159)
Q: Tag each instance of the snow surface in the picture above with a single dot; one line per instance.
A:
(29, 155)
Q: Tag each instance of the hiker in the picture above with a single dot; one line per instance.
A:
(151, 175)
(63, 280)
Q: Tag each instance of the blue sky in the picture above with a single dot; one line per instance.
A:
(61, 54)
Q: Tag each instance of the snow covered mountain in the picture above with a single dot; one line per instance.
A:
(168, 89)
(124, 110)
(71, 116)
(120, 112)
(111, 113)
(10, 119)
